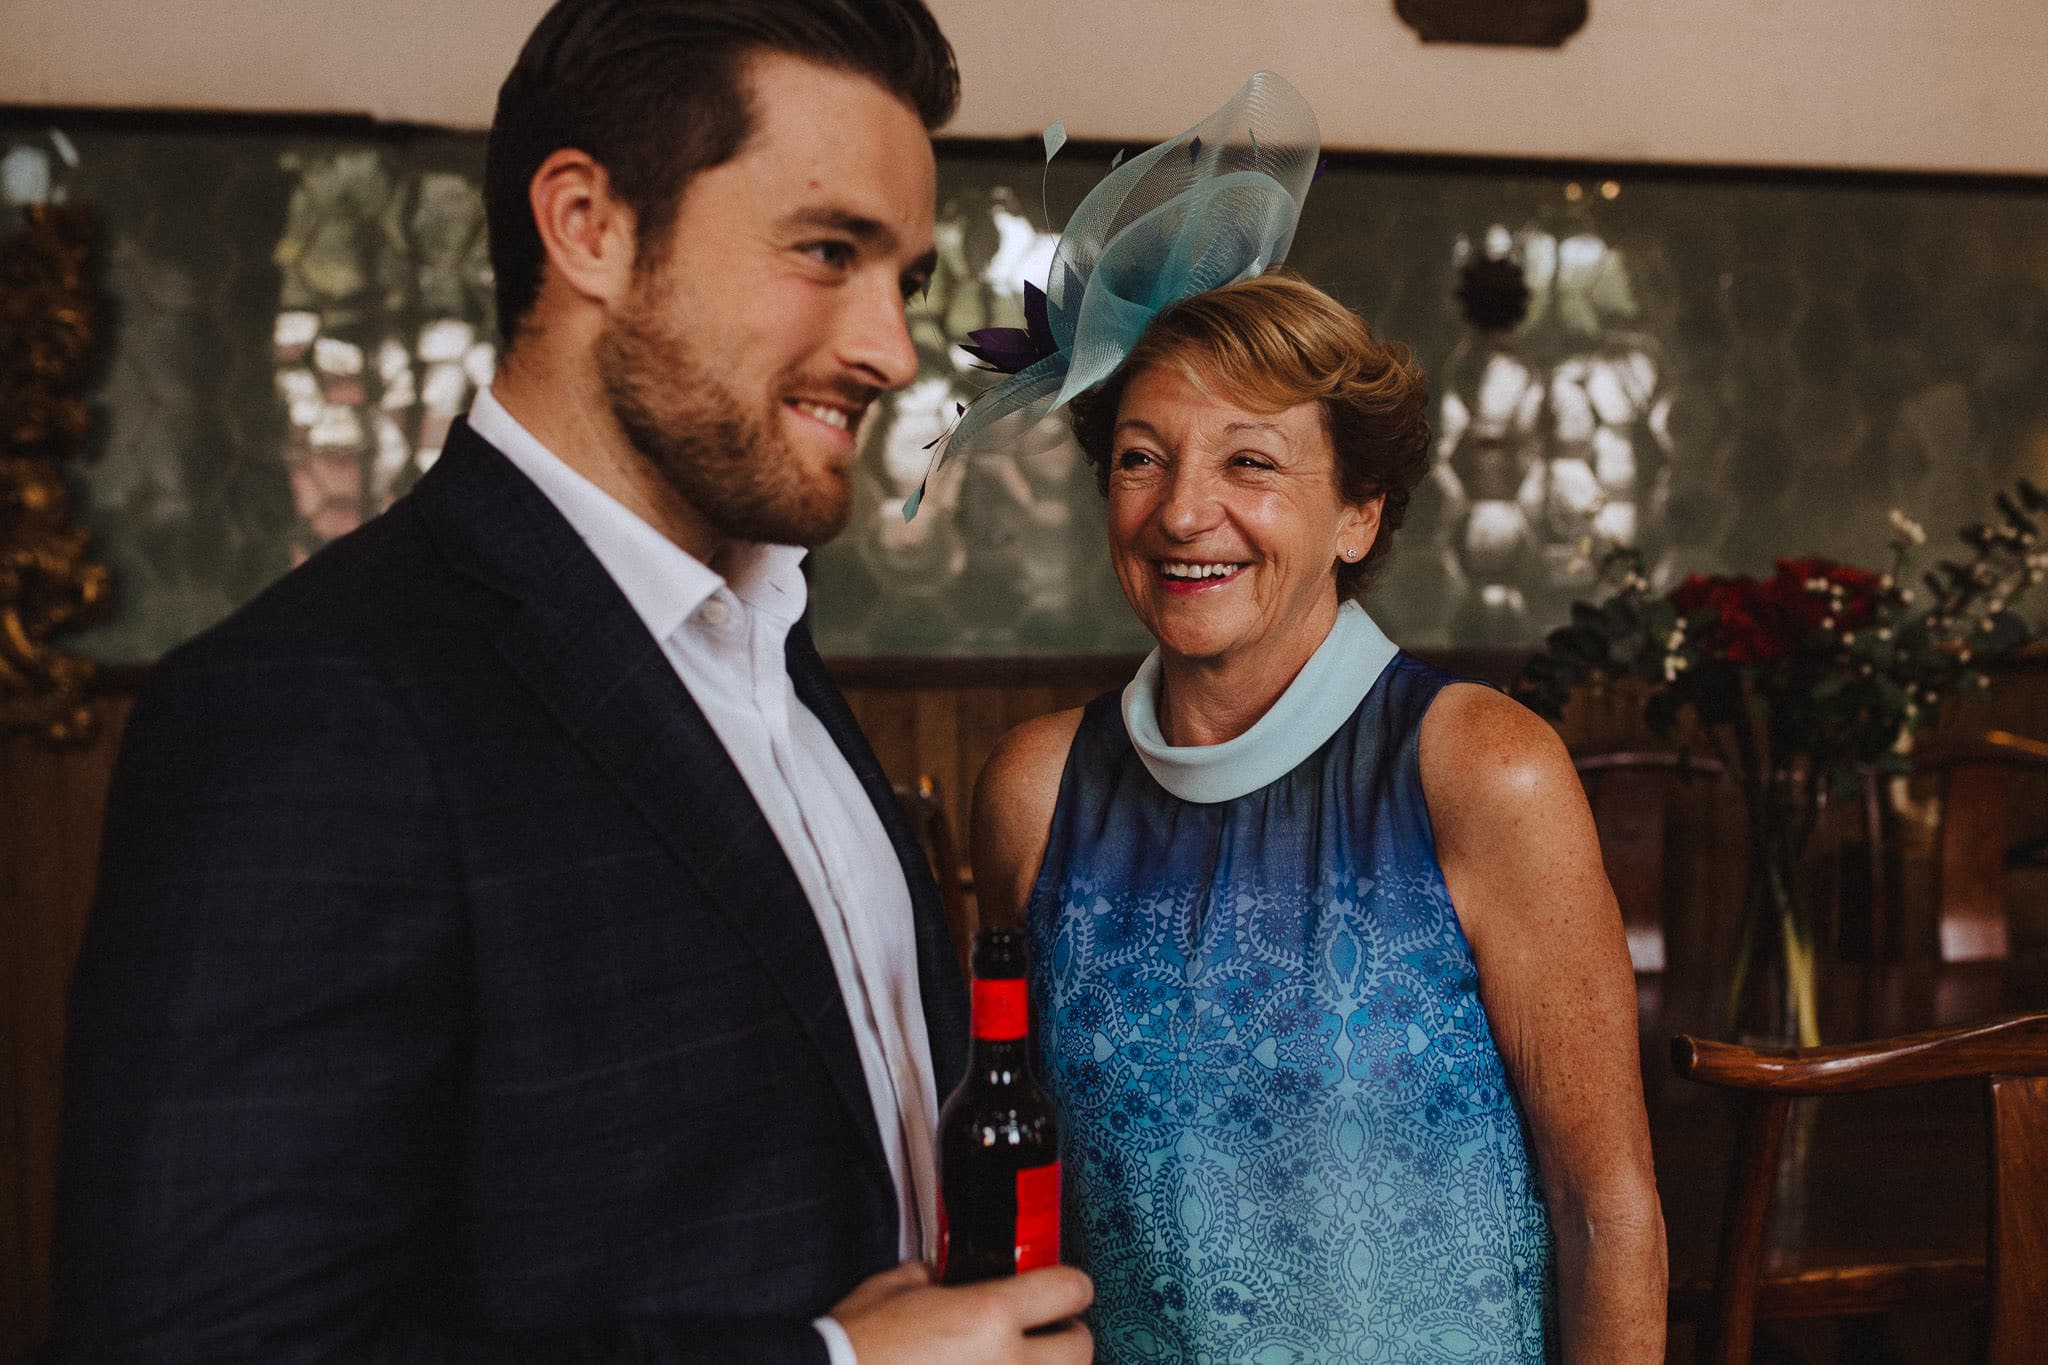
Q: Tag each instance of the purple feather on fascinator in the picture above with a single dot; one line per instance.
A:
(1007, 350)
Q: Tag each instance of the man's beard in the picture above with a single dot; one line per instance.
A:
(732, 467)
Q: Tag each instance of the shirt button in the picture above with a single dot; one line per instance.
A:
(715, 613)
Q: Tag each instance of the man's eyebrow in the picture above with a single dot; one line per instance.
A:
(827, 219)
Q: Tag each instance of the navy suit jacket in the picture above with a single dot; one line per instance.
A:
(447, 996)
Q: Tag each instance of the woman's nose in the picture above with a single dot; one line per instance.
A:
(1191, 505)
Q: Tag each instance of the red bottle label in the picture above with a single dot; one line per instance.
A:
(1000, 1014)
(1038, 1217)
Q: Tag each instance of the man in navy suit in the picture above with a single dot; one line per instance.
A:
(507, 947)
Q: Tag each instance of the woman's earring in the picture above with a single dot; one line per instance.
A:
(1351, 554)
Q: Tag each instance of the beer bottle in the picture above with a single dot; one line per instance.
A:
(999, 1167)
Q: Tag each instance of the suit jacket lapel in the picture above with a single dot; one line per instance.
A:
(578, 645)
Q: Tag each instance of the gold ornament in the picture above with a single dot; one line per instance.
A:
(47, 585)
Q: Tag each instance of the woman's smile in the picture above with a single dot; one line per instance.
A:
(1183, 577)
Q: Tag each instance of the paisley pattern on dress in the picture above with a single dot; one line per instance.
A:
(1287, 1133)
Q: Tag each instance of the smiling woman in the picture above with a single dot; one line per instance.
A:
(1333, 997)
(1258, 448)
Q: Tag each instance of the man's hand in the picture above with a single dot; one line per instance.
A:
(901, 1316)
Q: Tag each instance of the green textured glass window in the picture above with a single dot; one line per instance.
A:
(1716, 367)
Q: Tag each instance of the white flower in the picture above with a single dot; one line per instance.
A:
(1674, 664)
(1582, 556)
(1675, 639)
(1909, 530)
(1848, 637)
(1884, 632)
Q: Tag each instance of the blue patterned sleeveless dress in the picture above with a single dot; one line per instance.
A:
(1287, 1133)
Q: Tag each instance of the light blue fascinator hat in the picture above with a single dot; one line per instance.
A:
(1217, 204)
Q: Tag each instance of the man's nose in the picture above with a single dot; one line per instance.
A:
(876, 337)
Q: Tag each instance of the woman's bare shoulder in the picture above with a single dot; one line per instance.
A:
(1482, 746)
(1013, 804)
(1031, 756)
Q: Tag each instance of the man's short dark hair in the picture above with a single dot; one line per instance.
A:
(654, 91)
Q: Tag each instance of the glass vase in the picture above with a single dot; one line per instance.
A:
(1772, 988)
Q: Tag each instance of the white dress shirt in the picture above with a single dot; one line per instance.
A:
(725, 636)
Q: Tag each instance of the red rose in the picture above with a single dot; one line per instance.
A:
(1805, 608)
(1689, 596)
(1747, 627)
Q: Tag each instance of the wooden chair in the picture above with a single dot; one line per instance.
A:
(2010, 1055)
(1629, 791)
(1972, 853)
(926, 814)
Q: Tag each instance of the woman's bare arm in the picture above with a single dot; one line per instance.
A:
(1013, 804)
(1522, 862)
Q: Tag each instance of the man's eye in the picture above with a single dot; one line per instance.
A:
(914, 285)
(837, 255)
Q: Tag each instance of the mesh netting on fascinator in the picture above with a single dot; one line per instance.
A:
(1215, 205)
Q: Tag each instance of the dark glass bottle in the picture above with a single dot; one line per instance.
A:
(999, 1163)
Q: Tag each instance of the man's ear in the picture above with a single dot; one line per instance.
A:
(586, 231)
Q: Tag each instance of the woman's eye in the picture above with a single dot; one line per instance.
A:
(1133, 459)
(1251, 462)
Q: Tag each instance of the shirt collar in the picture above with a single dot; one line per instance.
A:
(663, 582)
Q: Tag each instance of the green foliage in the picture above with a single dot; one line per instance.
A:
(1826, 662)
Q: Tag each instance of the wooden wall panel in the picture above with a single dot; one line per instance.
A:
(940, 718)
(982, 718)
(50, 804)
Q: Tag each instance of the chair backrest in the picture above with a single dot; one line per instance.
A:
(1629, 791)
(926, 814)
(2010, 1055)
(1973, 782)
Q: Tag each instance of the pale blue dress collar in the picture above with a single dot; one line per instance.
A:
(1320, 699)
